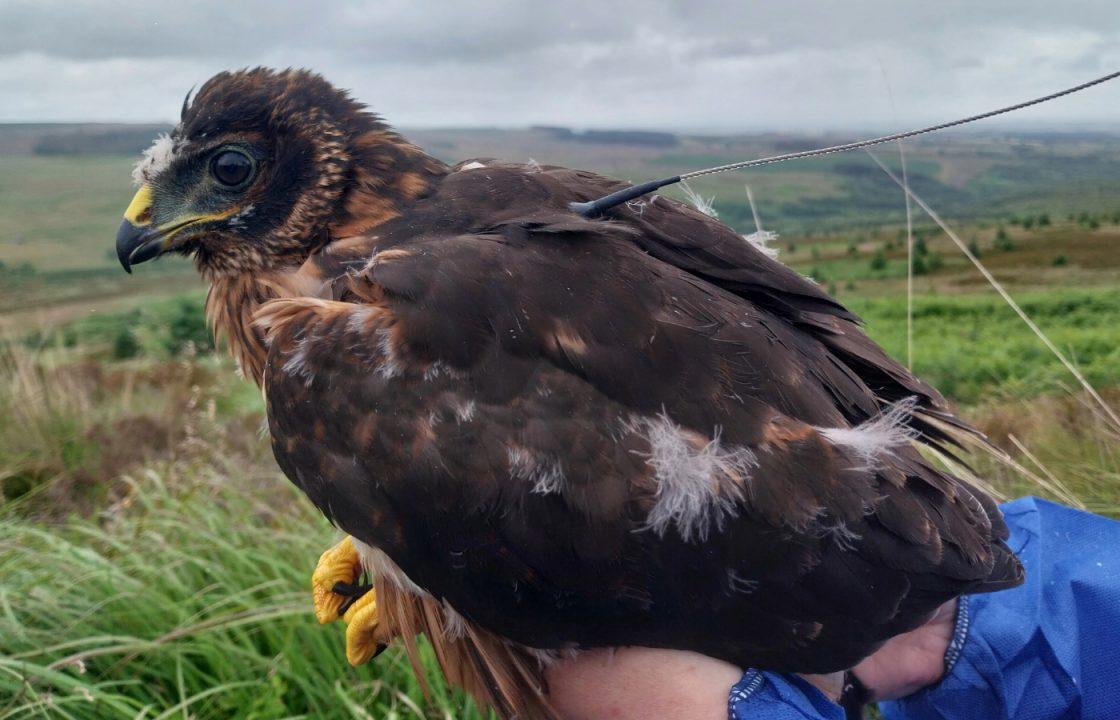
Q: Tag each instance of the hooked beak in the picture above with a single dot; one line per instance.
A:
(138, 240)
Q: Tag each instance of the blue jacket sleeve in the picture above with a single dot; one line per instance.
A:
(773, 696)
(1047, 649)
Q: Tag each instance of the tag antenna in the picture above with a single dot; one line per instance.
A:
(595, 208)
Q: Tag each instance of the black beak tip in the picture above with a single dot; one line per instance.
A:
(136, 245)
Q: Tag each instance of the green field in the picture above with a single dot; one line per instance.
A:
(155, 563)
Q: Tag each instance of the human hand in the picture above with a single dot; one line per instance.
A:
(641, 683)
(645, 682)
(911, 661)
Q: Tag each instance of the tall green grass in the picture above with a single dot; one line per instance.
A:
(975, 350)
(187, 598)
(1062, 439)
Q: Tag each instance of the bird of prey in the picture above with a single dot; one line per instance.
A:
(544, 432)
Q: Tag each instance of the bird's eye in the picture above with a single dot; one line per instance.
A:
(231, 167)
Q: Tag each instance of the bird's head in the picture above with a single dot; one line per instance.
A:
(263, 167)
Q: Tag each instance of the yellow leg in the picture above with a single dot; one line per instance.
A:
(362, 639)
(339, 564)
(342, 564)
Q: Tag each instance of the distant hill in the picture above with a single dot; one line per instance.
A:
(969, 174)
(610, 137)
(77, 139)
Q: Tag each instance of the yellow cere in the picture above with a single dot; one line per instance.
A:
(139, 213)
(139, 210)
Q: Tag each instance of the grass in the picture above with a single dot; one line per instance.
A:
(60, 215)
(187, 597)
(1061, 438)
(975, 349)
(61, 212)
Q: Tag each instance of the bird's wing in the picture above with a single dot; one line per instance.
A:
(701, 245)
(575, 442)
(706, 248)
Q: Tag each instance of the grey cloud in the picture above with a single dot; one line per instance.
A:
(795, 64)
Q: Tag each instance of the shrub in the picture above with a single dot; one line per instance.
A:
(1087, 221)
(925, 264)
(23, 270)
(1059, 261)
(186, 326)
(935, 261)
(1003, 242)
(879, 261)
(124, 344)
(921, 267)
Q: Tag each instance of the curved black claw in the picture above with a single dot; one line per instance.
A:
(352, 593)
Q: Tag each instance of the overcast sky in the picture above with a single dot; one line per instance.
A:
(781, 64)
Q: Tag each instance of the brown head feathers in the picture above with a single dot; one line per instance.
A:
(325, 167)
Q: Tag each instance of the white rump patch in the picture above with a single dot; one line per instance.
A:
(472, 165)
(761, 240)
(878, 437)
(546, 475)
(156, 159)
(381, 566)
(698, 486)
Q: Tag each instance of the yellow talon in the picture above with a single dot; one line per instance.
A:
(341, 564)
(362, 640)
(338, 564)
